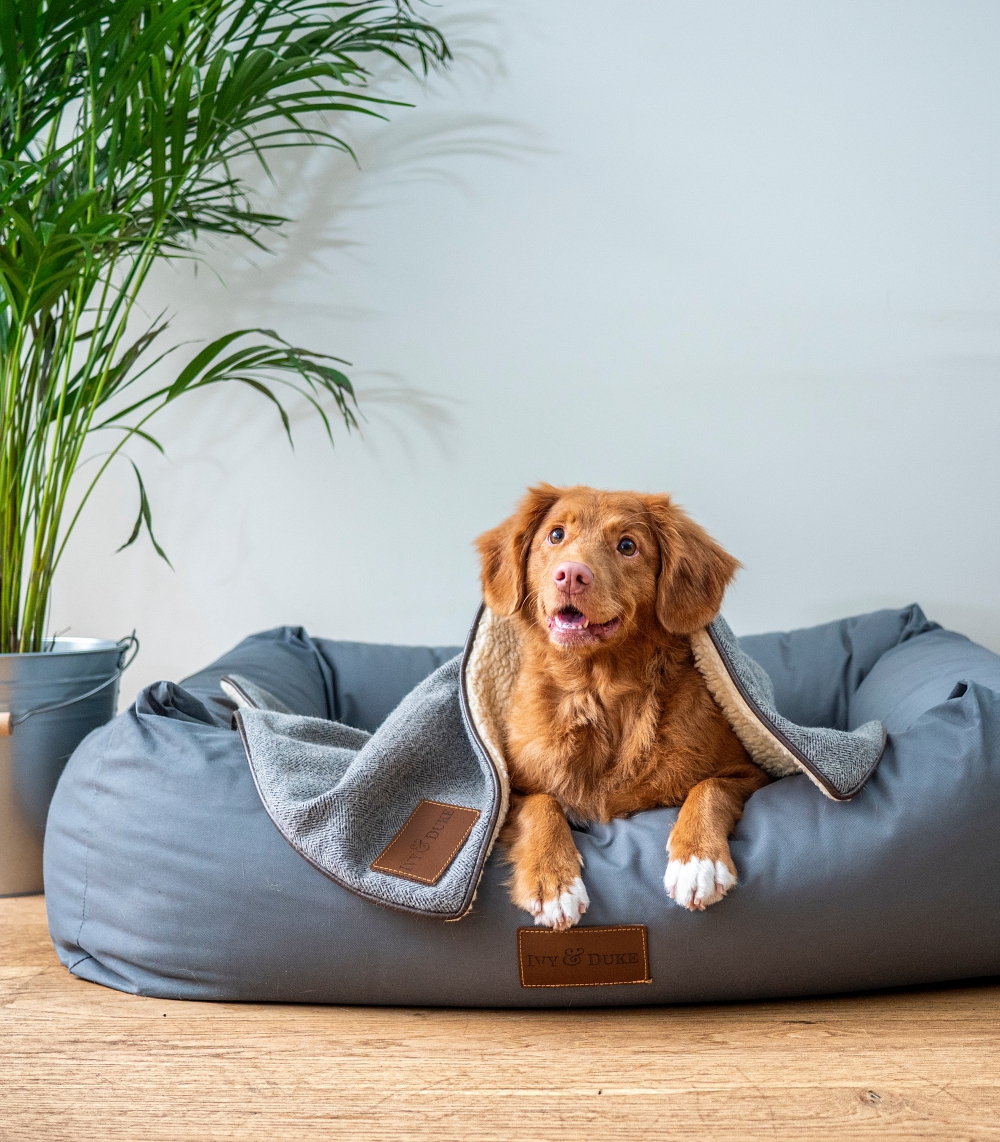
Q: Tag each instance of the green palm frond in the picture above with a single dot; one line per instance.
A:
(120, 124)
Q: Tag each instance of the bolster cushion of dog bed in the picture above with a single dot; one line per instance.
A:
(166, 877)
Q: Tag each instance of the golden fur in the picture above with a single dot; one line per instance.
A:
(609, 715)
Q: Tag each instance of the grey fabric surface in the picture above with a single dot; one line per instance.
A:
(339, 795)
(921, 673)
(370, 680)
(286, 662)
(817, 670)
(840, 760)
(165, 876)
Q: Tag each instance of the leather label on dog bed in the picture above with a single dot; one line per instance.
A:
(428, 842)
(583, 957)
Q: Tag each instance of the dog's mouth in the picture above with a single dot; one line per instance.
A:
(571, 627)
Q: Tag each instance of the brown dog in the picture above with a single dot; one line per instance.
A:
(609, 714)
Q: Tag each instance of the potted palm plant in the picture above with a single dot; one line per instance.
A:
(124, 128)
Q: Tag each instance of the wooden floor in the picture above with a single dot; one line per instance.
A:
(80, 1061)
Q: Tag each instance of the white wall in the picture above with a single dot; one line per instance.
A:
(746, 252)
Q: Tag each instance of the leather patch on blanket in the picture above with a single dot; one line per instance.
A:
(428, 842)
(583, 957)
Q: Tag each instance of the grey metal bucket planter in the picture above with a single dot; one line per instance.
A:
(49, 702)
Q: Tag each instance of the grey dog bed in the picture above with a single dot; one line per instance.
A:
(165, 875)
(429, 790)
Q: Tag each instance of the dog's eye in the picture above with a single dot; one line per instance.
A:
(627, 546)
(557, 535)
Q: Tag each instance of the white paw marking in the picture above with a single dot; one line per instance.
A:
(698, 882)
(561, 911)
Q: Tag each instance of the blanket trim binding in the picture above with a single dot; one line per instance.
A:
(496, 817)
(800, 759)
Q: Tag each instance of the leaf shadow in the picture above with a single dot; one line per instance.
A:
(325, 191)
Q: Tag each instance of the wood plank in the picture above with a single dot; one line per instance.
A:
(83, 1061)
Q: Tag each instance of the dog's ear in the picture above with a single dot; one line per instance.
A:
(503, 551)
(694, 569)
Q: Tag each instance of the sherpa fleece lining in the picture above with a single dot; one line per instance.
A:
(492, 664)
(764, 748)
(494, 659)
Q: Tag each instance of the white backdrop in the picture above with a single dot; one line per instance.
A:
(746, 252)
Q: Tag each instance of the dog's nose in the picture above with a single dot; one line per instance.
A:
(573, 577)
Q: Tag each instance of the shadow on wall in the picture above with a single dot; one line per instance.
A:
(303, 280)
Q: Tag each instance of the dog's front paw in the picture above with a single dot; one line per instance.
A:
(555, 905)
(698, 882)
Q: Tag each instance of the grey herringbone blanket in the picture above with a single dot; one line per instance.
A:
(340, 796)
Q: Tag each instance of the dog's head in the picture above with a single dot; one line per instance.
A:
(593, 567)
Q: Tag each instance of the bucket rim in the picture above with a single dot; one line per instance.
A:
(63, 647)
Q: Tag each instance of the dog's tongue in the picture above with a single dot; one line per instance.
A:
(571, 620)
